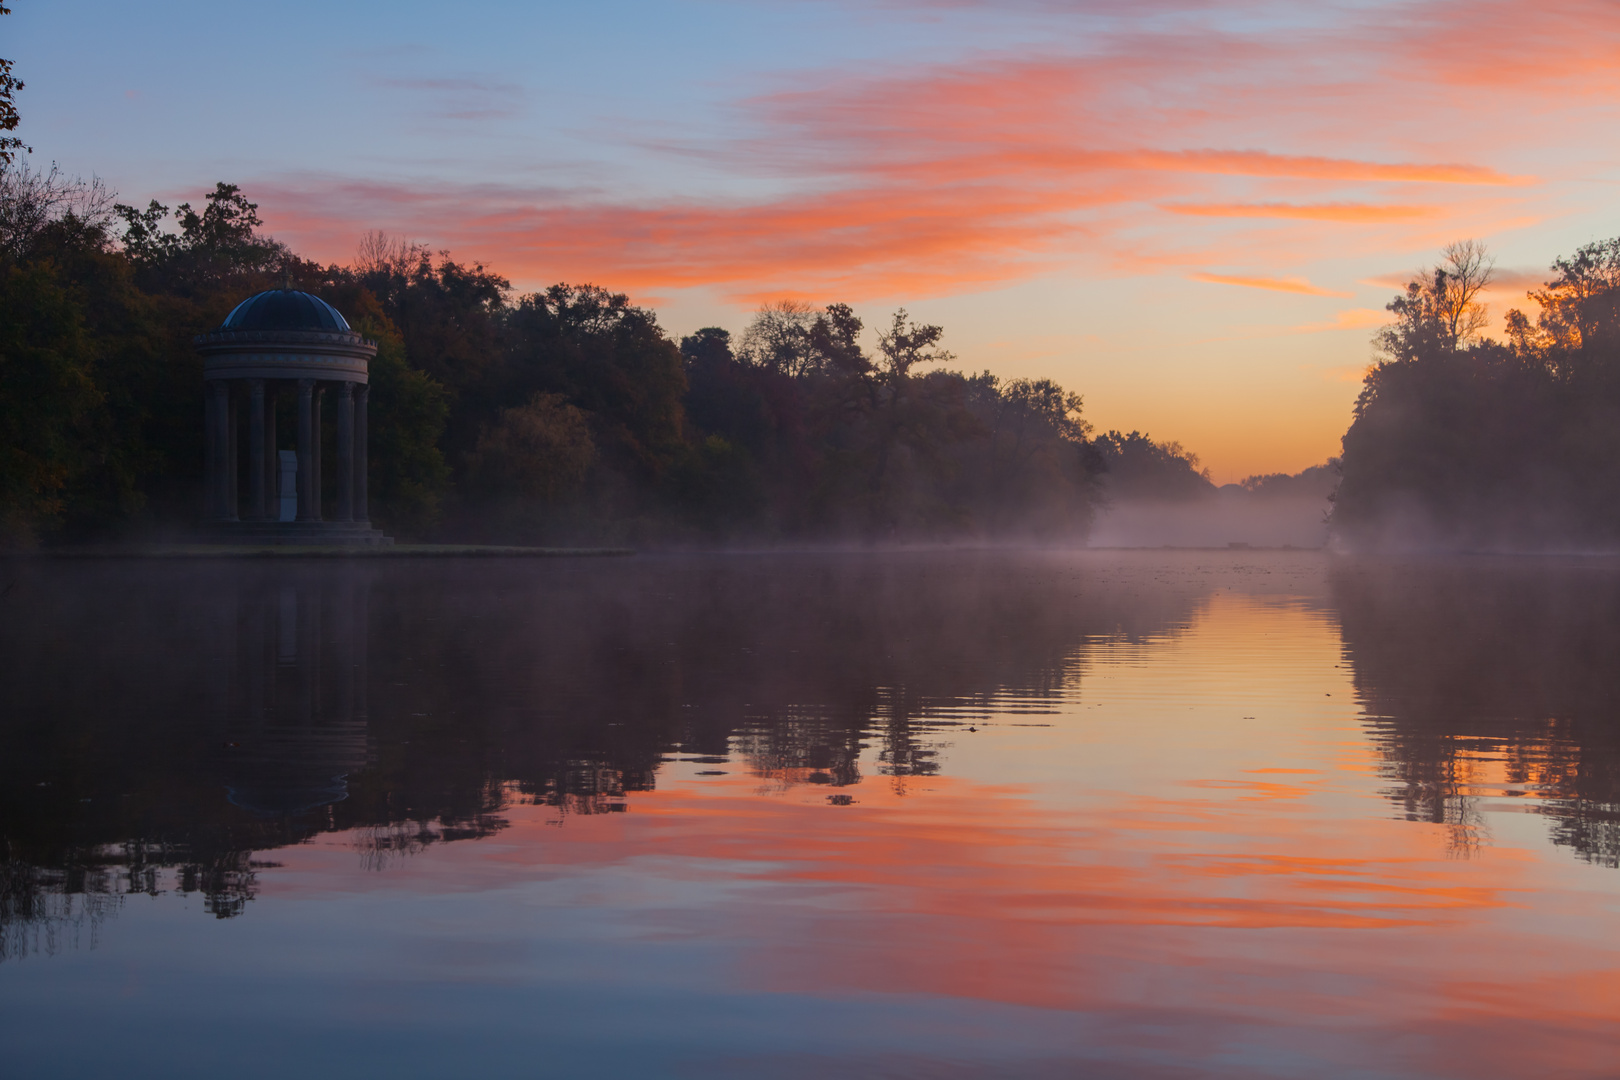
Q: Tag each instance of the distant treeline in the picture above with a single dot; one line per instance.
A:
(1460, 441)
(567, 414)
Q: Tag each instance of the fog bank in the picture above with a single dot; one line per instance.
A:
(1230, 515)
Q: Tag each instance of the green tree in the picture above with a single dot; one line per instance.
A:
(47, 399)
(540, 451)
(608, 358)
(80, 348)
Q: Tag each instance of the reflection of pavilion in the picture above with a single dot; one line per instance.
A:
(275, 344)
(297, 695)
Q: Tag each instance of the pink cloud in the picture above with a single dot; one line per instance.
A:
(953, 177)
(1356, 213)
(1351, 319)
(1289, 284)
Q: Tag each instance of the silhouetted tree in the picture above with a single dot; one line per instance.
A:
(219, 248)
(1462, 441)
(562, 414)
(9, 119)
(1139, 468)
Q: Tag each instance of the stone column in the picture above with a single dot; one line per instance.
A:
(345, 452)
(233, 460)
(212, 452)
(315, 470)
(224, 458)
(362, 511)
(306, 452)
(272, 460)
(256, 488)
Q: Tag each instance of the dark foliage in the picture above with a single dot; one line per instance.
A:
(1315, 482)
(1482, 669)
(9, 118)
(1139, 468)
(566, 415)
(1460, 441)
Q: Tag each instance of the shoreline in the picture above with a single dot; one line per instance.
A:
(321, 551)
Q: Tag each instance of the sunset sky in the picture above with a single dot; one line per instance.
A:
(1191, 211)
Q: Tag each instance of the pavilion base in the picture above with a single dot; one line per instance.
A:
(302, 533)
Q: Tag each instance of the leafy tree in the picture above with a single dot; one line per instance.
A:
(899, 417)
(726, 397)
(1139, 468)
(565, 412)
(1462, 441)
(80, 348)
(1577, 331)
(542, 450)
(9, 85)
(1039, 469)
(32, 200)
(608, 358)
(1440, 311)
(779, 339)
(47, 396)
(216, 249)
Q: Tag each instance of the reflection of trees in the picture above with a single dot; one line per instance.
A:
(170, 720)
(1492, 678)
(166, 728)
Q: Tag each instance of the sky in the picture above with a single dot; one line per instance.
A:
(1190, 211)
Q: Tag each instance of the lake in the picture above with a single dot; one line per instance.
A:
(938, 814)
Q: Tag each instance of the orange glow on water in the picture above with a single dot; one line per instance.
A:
(1198, 841)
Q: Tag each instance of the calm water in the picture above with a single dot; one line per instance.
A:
(972, 815)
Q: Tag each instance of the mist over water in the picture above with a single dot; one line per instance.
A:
(993, 813)
(1217, 520)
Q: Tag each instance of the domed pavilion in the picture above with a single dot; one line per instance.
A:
(276, 346)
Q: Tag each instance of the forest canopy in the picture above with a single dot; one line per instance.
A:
(567, 414)
(1460, 441)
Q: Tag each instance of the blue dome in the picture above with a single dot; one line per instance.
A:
(284, 309)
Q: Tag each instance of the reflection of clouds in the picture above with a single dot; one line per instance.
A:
(1190, 853)
(1489, 688)
(1178, 923)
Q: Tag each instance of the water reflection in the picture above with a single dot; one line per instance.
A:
(168, 721)
(1491, 686)
(977, 814)
(169, 724)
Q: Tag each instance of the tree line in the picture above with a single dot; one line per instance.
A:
(561, 415)
(1463, 441)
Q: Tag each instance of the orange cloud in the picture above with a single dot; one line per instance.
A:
(1351, 319)
(929, 180)
(851, 244)
(1289, 284)
(1348, 374)
(1260, 163)
(1357, 213)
